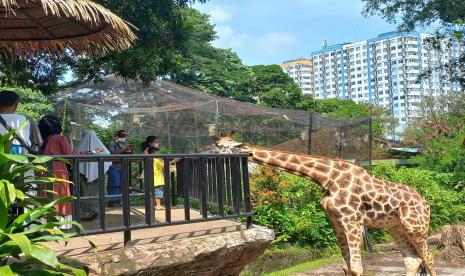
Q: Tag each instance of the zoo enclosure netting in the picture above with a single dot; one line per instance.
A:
(185, 119)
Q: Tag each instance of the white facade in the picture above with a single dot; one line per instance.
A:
(301, 71)
(382, 71)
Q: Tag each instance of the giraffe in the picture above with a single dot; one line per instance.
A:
(354, 198)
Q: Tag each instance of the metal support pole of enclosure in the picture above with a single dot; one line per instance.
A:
(370, 141)
(368, 246)
(168, 128)
(310, 130)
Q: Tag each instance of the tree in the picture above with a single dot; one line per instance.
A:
(40, 73)
(450, 14)
(216, 71)
(163, 32)
(383, 123)
(274, 88)
(33, 102)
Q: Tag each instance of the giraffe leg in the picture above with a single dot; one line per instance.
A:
(417, 234)
(342, 241)
(421, 247)
(353, 233)
(339, 233)
(411, 259)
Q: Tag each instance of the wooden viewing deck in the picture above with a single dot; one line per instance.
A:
(113, 217)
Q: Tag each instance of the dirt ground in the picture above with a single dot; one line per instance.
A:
(377, 264)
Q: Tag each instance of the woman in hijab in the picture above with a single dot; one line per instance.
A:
(57, 144)
(89, 174)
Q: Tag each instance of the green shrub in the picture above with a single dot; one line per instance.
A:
(290, 205)
(447, 204)
(21, 251)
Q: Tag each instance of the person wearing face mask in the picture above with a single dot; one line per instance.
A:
(150, 141)
(118, 146)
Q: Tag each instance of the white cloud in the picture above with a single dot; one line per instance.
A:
(273, 43)
(224, 31)
(267, 44)
(218, 15)
(228, 38)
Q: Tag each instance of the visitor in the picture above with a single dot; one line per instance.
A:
(114, 172)
(57, 144)
(89, 174)
(158, 178)
(150, 141)
(27, 138)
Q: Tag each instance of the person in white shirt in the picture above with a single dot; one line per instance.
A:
(28, 137)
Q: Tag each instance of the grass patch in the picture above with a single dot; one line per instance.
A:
(305, 266)
(277, 259)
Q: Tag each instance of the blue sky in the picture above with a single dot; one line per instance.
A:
(272, 31)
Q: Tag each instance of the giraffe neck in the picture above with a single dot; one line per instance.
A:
(316, 168)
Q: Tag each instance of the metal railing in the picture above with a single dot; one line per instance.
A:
(217, 185)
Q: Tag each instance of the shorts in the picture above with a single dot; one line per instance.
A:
(158, 192)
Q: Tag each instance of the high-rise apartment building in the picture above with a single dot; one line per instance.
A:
(301, 71)
(383, 71)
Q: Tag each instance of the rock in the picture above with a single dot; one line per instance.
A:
(452, 244)
(218, 254)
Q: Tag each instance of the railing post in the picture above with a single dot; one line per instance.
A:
(173, 188)
(228, 181)
(76, 193)
(245, 181)
(125, 177)
(101, 193)
(203, 188)
(167, 192)
(220, 184)
(236, 182)
(185, 188)
(148, 188)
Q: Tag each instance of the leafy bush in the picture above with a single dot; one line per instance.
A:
(21, 251)
(289, 205)
(447, 204)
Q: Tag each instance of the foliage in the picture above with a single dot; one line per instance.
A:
(290, 206)
(21, 251)
(441, 134)
(163, 32)
(216, 71)
(274, 88)
(38, 73)
(448, 15)
(383, 122)
(33, 102)
(447, 203)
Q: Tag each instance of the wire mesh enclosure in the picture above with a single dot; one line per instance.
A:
(186, 119)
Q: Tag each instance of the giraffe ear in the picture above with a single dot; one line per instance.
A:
(231, 135)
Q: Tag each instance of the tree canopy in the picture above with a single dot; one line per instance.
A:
(32, 102)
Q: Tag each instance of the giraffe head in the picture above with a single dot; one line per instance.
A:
(225, 144)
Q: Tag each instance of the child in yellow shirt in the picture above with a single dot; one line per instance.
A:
(158, 178)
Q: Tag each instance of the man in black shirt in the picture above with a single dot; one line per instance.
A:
(114, 172)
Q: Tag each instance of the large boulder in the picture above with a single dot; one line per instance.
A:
(218, 254)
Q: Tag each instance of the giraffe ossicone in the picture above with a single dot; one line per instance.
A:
(354, 197)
